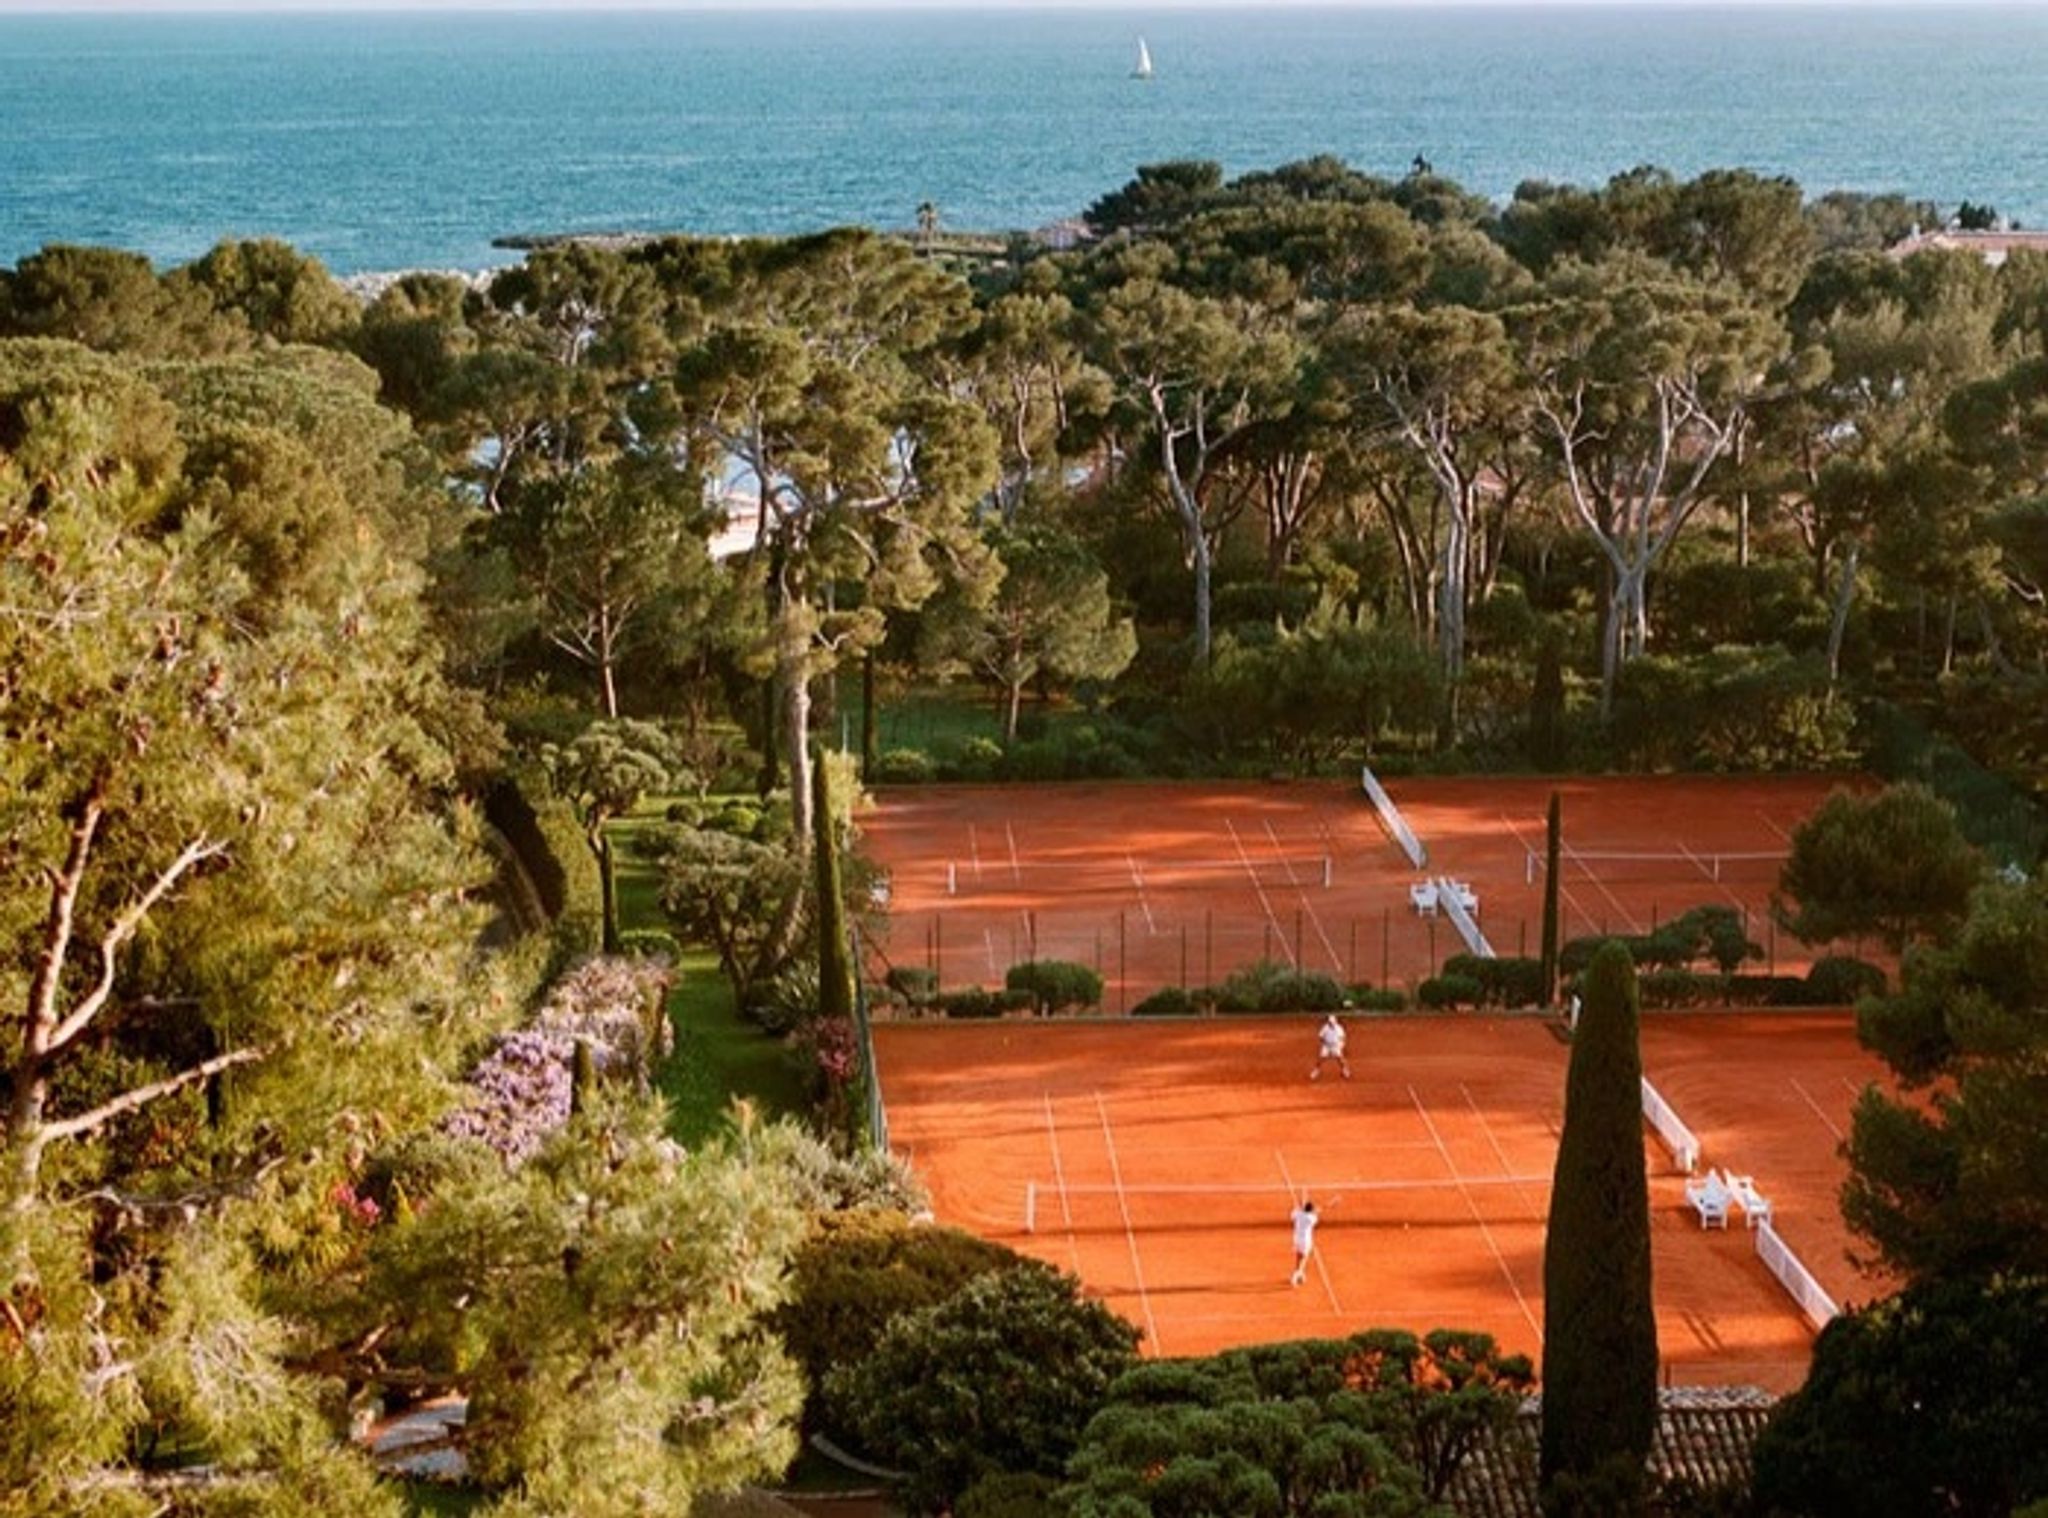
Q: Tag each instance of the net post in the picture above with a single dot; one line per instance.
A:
(1031, 1206)
(952, 879)
(1329, 877)
(1528, 867)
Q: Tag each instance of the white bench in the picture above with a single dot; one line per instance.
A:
(1710, 1197)
(1422, 896)
(1756, 1207)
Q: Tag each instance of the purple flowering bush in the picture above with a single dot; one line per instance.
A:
(519, 1093)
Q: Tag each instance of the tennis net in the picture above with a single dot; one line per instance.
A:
(1793, 1275)
(1051, 1206)
(1131, 876)
(1618, 866)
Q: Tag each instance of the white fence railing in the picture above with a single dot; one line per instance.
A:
(1392, 820)
(1452, 900)
(1793, 1275)
(1679, 1139)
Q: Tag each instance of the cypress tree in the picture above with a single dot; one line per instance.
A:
(835, 964)
(1553, 832)
(1599, 1329)
(1546, 702)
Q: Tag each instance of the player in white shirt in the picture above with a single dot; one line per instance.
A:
(1305, 1221)
(1331, 1035)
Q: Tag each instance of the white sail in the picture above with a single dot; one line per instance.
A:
(1144, 68)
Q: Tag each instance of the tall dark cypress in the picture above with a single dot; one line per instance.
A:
(1599, 1329)
(1553, 833)
(835, 963)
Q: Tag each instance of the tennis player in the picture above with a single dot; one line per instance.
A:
(1331, 1036)
(1305, 1221)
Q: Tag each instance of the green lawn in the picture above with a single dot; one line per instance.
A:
(719, 1054)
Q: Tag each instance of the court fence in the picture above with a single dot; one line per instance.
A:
(1392, 820)
(1664, 1118)
(1792, 1274)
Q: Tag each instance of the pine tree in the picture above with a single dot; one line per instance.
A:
(1599, 1329)
(1553, 832)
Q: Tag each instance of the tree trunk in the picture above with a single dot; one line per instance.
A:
(867, 714)
(796, 737)
(1010, 708)
(1838, 623)
(1198, 553)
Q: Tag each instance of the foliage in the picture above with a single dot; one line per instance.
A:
(1169, 1001)
(604, 1304)
(1733, 709)
(1894, 864)
(855, 1274)
(547, 838)
(1953, 1181)
(1056, 985)
(1502, 981)
(1378, 1423)
(1001, 1376)
(1447, 993)
(1269, 985)
(1929, 1402)
(1842, 980)
(1600, 1330)
(738, 896)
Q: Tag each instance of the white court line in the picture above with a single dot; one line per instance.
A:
(1307, 904)
(1059, 1175)
(1315, 1251)
(1016, 869)
(1144, 902)
(1245, 859)
(1627, 916)
(988, 941)
(1570, 901)
(1807, 1097)
(1130, 1233)
(974, 852)
(1772, 824)
(1719, 884)
(1485, 1232)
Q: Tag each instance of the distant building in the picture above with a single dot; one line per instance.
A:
(1062, 236)
(1993, 247)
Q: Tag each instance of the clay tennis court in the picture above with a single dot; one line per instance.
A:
(1158, 884)
(1159, 1162)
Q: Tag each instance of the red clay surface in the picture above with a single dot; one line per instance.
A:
(1431, 1168)
(1160, 884)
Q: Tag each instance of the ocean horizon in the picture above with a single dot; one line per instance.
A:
(385, 140)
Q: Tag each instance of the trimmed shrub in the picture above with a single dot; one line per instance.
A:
(1009, 1495)
(1385, 999)
(969, 1002)
(1056, 985)
(914, 983)
(1679, 988)
(1842, 980)
(979, 759)
(1510, 982)
(548, 840)
(650, 943)
(902, 766)
(859, 1271)
(1442, 993)
(1271, 986)
(1169, 1001)
(787, 999)
(1766, 990)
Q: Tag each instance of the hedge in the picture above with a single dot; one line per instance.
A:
(547, 838)
(1271, 986)
(1843, 980)
(1509, 982)
(1056, 985)
(1446, 992)
(1170, 1001)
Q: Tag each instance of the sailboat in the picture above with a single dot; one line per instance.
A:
(1144, 68)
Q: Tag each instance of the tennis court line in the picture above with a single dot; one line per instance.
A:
(1315, 1252)
(1307, 905)
(1016, 869)
(1627, 916)
(1059, 1175)
(1245, 859)
(1771, 823)
(1807, 1097)
(1130, 1233)
(1563, 890)
(1719, 884)
(1485, 1232)
(974, 851)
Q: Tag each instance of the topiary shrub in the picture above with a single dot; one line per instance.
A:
(1678, 988)
(902, 766)
(969, 1002)
(1445, 993)
(914, 983)
(856, 1273)
(1272, 986)
(979, 759)
(1169, 1001)
(1383, 999)
(1509, 982)
(1000, 1377)
(1056, 985)
(1009, 1495)
(650, 943)
(1840, 980)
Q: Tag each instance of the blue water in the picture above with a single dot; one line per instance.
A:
(413, 139)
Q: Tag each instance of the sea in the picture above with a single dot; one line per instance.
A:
(418, 139)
